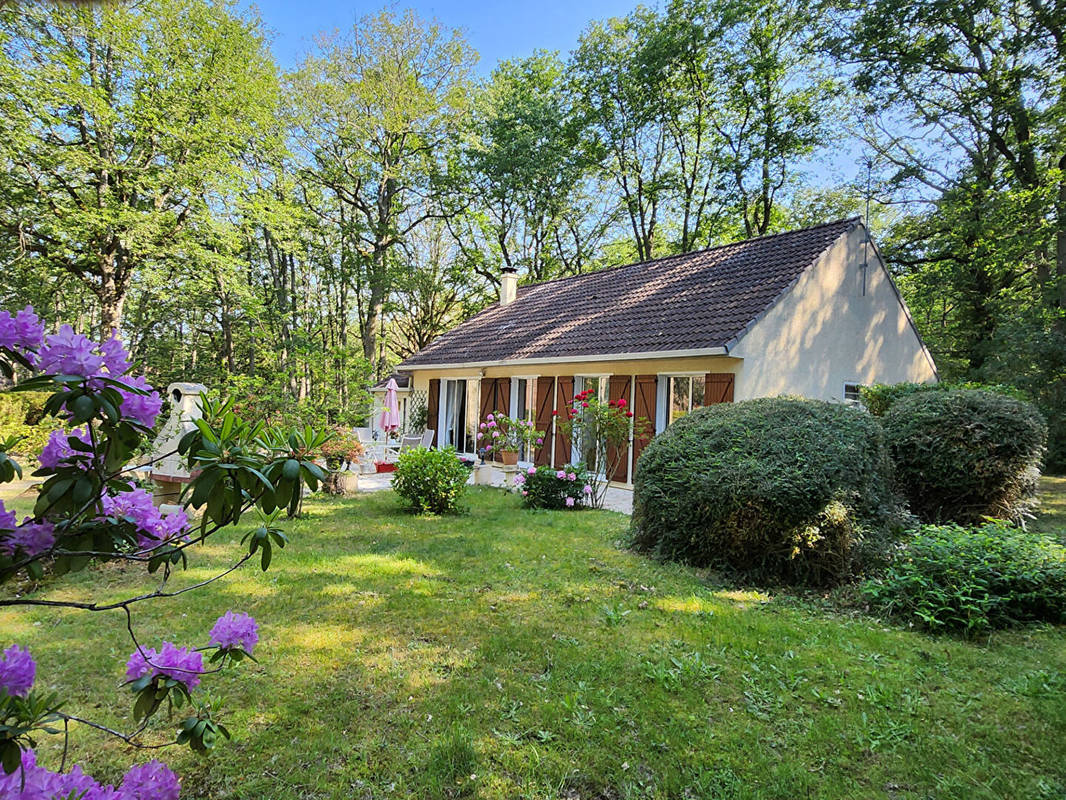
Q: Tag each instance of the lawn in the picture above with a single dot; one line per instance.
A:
(511, 654)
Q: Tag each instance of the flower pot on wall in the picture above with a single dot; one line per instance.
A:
(509, 457)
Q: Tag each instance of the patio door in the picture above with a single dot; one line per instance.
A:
(453, 415)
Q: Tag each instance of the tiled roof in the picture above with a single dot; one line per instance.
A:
(403, 381)
(692, 301)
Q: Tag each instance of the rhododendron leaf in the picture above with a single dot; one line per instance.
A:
(267, 555)
(145, 704)
(10, 755)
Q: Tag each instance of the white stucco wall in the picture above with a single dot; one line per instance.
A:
(827, 332)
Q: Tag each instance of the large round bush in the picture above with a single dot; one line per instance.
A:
(778, 488)
(966, 454)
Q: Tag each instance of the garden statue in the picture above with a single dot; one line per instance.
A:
(169, 470)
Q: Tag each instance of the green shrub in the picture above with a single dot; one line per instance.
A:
(877, 399)
(22, 415)
(545, 489)
(966, 454)
(973, 580)
(777, 488)
(431, 481)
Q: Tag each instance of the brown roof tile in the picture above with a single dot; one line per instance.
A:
(692, 301)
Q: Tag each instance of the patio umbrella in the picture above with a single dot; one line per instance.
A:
(390, 415)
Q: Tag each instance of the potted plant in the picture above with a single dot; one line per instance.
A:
(504, 437)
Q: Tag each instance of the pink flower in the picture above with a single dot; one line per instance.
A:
(561, 475)
(479, 435)
(525, 493)
(531, 471)
(555, 412)
(492, 423)
(621, 402)
(629, 413)
(584, 405)
(587, 489)
(519, 480)
(569, 502)
(490, 418)
(540, 441)
(572, 477)
(482, 426)
(495, 434)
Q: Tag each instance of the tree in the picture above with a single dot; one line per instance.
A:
(123, 121)
(375, 111)
(526, 176)
(964, 106)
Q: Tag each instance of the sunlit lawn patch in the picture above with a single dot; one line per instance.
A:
(516, 654)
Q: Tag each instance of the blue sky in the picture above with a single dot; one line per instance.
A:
(496, 30)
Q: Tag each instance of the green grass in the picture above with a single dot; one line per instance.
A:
(516, 654)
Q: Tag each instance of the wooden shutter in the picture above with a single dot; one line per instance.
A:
(644, 392)
(432, 408)
(495, 396)
(718, 388)
(564, 401)
(545, 404)
(619, 388)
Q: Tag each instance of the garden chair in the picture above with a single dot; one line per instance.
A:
(427, 439)
(371, 448)
(410, 443)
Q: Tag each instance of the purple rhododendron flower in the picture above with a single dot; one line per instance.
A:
(142, 408)
(561, 475)
(116, 357)
(58, 448)
(569, 502)
(153, 528)
(21, 333)
(235, 630)
(531, 471)
(69, 353)
(30, 539)
(8, 520)
(178, 663)
(34, 782)
(519, 479)
(17, 671)
(151, 781)
(572, 476)
(587, 489)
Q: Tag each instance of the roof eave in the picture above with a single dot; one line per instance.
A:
(578, 359)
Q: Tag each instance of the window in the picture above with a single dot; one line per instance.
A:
(852, 395)
(686, 392)
(454, 408)
(522, 407)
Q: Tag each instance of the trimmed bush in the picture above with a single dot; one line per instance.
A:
(877, 399)
(545, 489)
(431, 481)
(966, 454)
(777, 488)
(973, 580)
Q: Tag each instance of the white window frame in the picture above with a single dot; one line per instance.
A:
(442, 407)
(664, 400)
(855, 401)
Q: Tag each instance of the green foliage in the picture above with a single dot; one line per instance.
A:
(452, 766)
(973, 580)
(779, 488)
(431, 481)
(22, 416)
(545, 489)
(964, 454)
(879, 397)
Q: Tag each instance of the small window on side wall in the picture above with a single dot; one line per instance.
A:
(852, 395)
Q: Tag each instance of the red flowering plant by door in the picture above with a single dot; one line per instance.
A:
(602, 431)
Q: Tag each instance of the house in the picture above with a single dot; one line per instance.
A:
(811, 312)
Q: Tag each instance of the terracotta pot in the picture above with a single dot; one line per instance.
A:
(509, 457)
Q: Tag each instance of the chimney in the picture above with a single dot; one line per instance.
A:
(508, 285)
